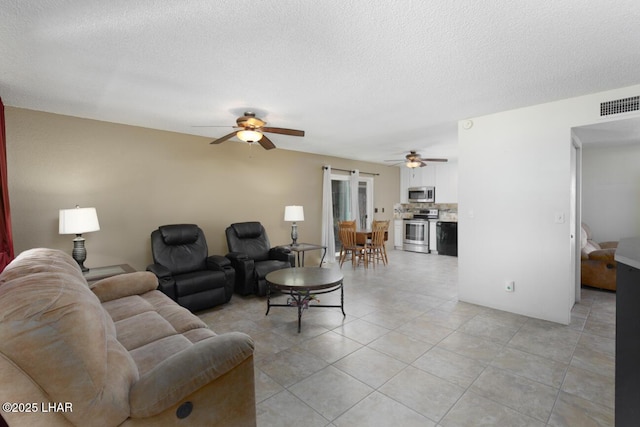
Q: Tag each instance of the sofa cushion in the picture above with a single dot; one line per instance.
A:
(198, 281)
(168, 328)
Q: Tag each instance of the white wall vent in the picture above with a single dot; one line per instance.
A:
(619, 106)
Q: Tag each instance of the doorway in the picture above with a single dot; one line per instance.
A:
(341, 196)
(604, 182)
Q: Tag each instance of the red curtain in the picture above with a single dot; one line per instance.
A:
(6, 239)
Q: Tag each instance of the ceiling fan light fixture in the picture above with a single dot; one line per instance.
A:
(249, 135)
(413, 164)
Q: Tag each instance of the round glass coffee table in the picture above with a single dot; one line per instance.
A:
(303, 284)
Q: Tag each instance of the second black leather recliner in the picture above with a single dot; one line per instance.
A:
(186, 272)
(253, 257)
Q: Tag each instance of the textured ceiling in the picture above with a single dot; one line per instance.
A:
(365, 80)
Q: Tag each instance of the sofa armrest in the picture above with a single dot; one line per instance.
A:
(166, 282)
(124, 285)
(281, 253)
(222, 263)
(236, 256)
(218, 262)
(608, 245)
(244, 272)
(604, 255)
(185, 372)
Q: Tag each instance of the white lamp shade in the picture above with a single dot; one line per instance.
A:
(249, 135)
(293, 213)
(78, 221)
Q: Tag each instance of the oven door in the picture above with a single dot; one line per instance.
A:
(416, 236)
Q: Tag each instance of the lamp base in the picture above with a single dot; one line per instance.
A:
(79, 252)
(294, 234)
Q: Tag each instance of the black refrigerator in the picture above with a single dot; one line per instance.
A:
(447, 238)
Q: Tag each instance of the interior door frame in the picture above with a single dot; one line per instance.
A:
(575, 216)
(369, 186)
(369, 191)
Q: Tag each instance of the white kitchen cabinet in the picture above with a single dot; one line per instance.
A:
(446, 182)
(404, 184)
(433, 240)
(397, 233)
(414, 177)
(427, 175)
(443, 176)
(409, 178)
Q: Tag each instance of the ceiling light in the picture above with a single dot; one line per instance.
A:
(413, 164)
(249, 135)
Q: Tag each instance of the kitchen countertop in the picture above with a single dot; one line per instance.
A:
(628, 252)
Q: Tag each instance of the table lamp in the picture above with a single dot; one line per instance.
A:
(293, 214)
(77, 221)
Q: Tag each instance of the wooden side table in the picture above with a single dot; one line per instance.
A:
(99, 273)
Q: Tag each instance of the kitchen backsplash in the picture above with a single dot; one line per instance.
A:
(447, 211)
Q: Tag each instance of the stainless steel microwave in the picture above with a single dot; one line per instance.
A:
(422, 194)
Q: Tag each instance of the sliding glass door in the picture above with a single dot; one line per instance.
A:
(341, 196)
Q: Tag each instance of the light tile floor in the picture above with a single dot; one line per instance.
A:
(409, 353)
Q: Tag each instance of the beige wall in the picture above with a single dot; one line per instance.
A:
(140, 178)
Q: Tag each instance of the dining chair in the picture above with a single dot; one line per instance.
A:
(376, 250)
(347, 233)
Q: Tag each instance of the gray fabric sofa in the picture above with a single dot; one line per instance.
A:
(120, 352)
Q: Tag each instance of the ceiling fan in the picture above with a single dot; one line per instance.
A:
(414, 160)
(252, 128)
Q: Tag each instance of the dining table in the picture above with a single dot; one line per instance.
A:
(362, 236)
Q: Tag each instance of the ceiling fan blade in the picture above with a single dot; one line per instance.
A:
(422, 164)
(434, 160)
(282, 131)
(398, 162)
(224, 138)
(266, 143)
(213, 126)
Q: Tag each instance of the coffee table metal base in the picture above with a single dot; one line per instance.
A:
(301, 295)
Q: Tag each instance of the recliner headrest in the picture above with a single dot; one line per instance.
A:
(179, 234)
(248, 230)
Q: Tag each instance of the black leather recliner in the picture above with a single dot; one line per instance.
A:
(253, 258)
(186, 272)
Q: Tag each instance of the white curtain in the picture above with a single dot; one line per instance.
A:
(354, 183)
(328, 238)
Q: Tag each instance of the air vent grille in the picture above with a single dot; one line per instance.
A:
(620, 106)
